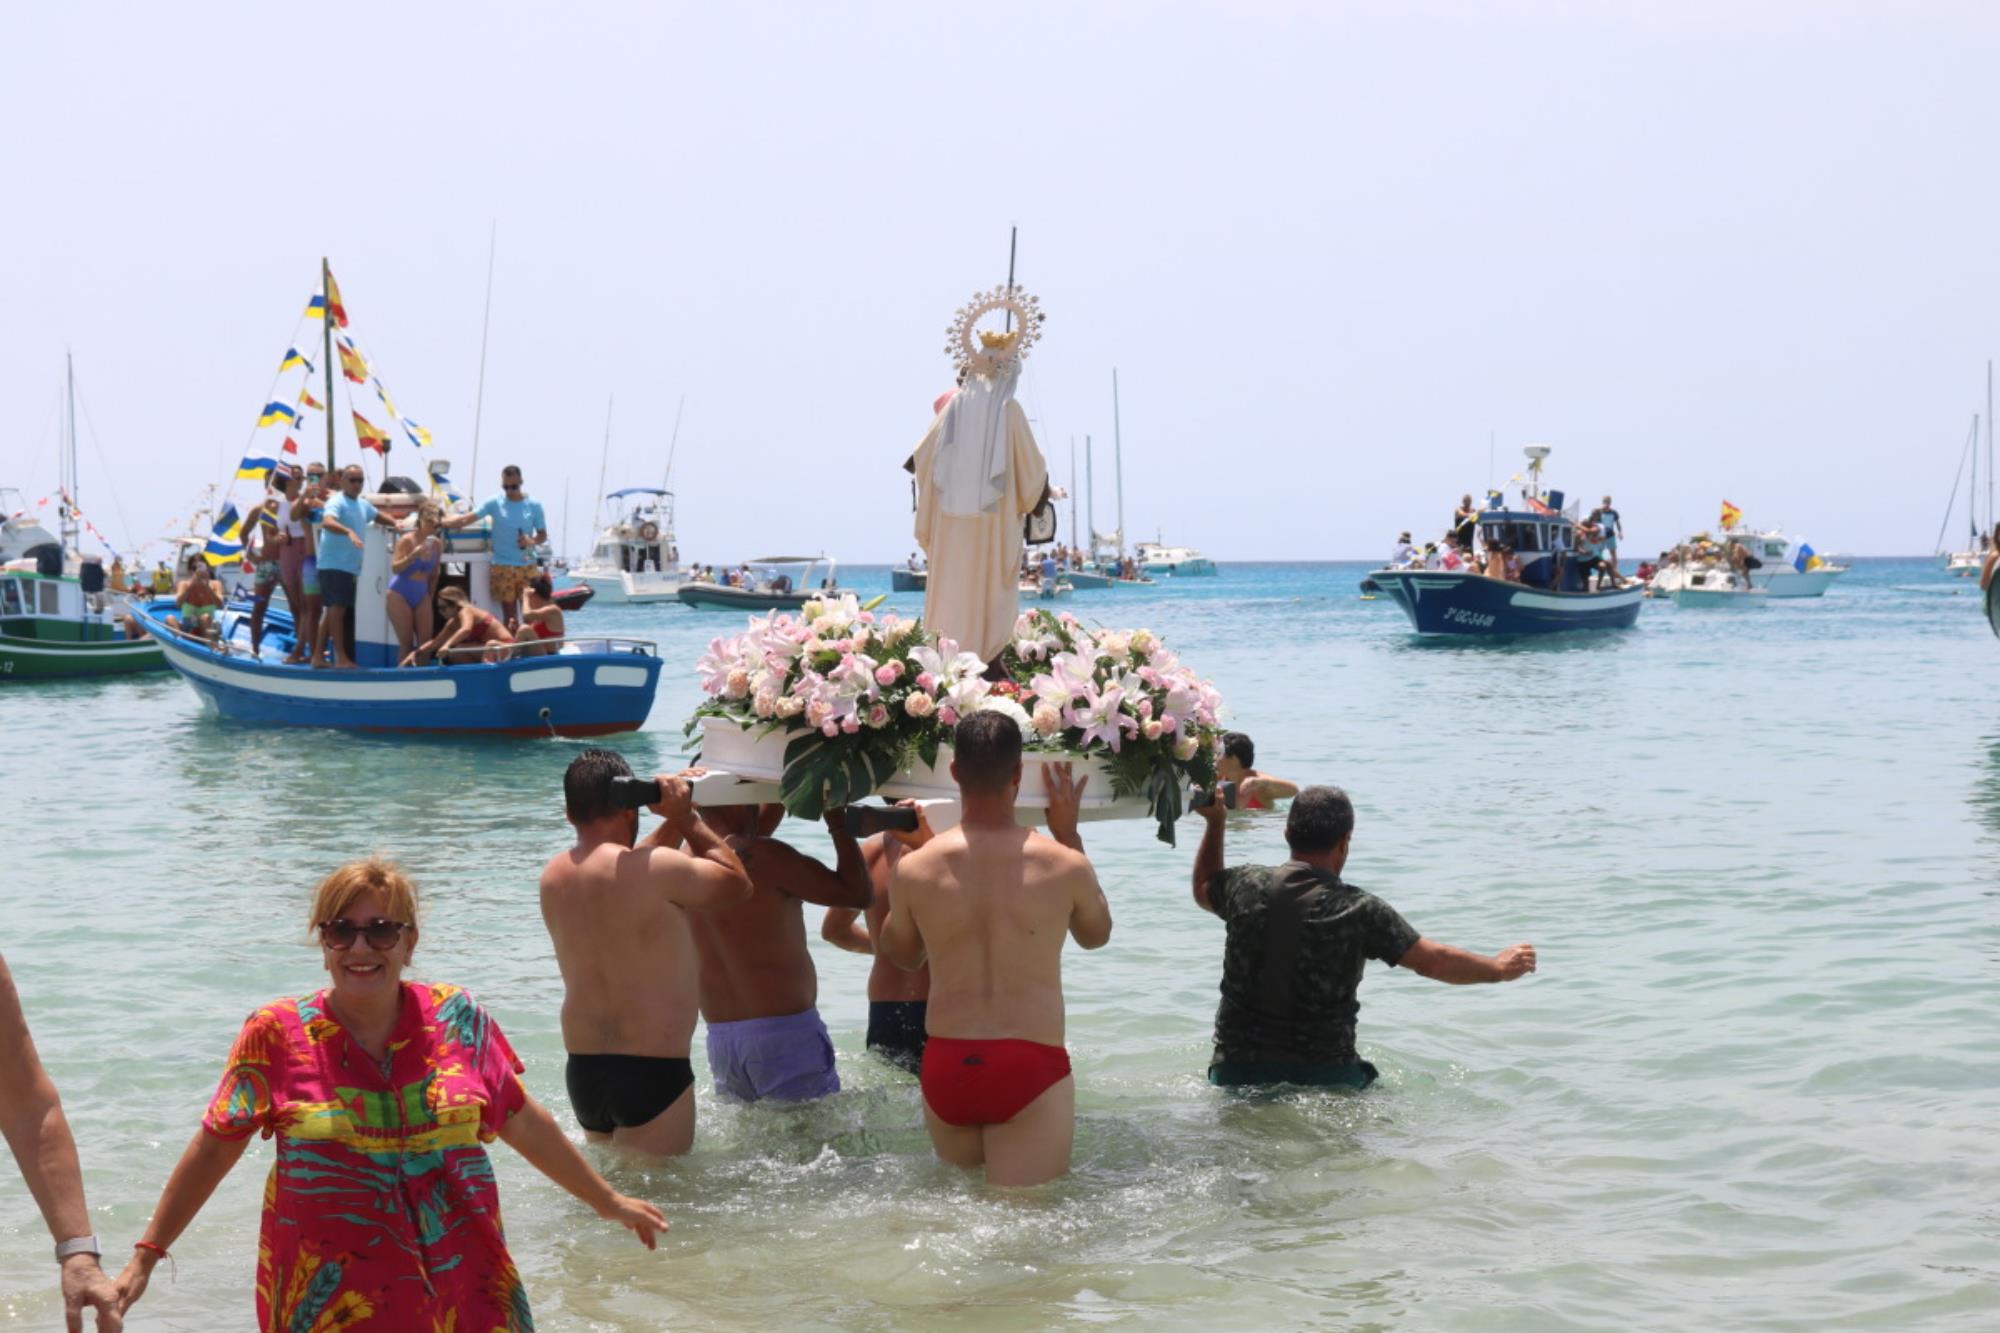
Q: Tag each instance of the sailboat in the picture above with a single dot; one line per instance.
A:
(1153, 557)
(569, 686)
(1967, 563)
(58, 621)
(635, 558)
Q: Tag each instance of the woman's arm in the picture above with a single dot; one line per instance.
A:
(534, 1133)
(407, 547)
(202, 1167)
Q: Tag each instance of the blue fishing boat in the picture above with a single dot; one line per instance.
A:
(574, 686)
(1551, 596)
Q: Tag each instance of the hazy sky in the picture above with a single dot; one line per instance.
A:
(1703, 250)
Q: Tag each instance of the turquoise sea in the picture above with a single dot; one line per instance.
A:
(1756, 1083)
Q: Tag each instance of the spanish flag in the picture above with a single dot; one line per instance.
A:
(1731, 515)
(256, 469)
(293, 357)
(316, 308)
(274, 412)
(351, 364)
(306, 398)
(370, 437)
(333, 300)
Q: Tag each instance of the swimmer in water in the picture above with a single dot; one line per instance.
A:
(1238, 764)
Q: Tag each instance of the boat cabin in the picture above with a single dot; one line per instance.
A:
(467, 564)
(642, 537)
(36, 605)
(1537, 540)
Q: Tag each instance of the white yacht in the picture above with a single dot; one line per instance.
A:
(635, 559)
(1174, 561)
(1789, 567)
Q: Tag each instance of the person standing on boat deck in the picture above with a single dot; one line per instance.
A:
(1401, 555)
(263, 544)
(299, 561)
(414, 566)
(979, 473)
(896, 998)
(1298, 939)
(1614, 528)
(31, 1119)
(759, 989)
(341, 524)
(616, 907)
(518, 528)
(1237, 763)
(1464, 523)
(989, 904)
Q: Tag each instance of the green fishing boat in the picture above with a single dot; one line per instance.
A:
(52, 628)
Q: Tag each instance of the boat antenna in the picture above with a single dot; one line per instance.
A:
(673, 443)
(597, 510)
(485, 324)
(1072, 490)
(1090, 497)
(1118, 454)
(565, 523)
(1990, 521)
(66, 466)
(326, 350)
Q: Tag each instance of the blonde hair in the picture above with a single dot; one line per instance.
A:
(355, 880)
(430, 509)
(453, 597)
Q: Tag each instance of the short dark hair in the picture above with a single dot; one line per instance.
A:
(542, 586)
(986, 748)
(587, 784)
(1240, 748)
(512, 468)
(1319, 820)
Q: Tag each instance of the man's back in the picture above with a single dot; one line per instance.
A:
(625, 950)
(753, 957)
(994, 906)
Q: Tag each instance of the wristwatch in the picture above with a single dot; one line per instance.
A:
(81, 1245)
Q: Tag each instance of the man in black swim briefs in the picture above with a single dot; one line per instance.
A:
(897, 1000)
(1298, 937)
(616, 910)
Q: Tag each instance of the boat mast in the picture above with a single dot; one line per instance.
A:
(565, 525)
(1118, 454)
(597, 510)
(485, 323)
(1072, 490)
(1090, 500)
(66, 468)
(673, 444)
(326, 352)
(1990, 521)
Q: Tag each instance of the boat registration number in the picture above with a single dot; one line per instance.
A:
(1477, 619)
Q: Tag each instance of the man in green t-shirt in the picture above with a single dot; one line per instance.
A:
(1298, 939)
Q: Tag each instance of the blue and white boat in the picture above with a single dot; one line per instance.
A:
(584, 686)
(1549, 599)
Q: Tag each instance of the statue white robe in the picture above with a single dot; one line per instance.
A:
(979, 474)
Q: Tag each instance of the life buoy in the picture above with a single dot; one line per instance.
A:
(649, 532)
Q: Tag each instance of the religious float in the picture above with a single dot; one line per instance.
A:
(838, 703)
(574, 686)
(1550, 597)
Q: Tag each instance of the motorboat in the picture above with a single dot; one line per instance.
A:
(906, 579)
(777, 583)
(54, 627)
(635, 558)
(1786, 566)
(1717, 588)
(1551, 596)
(573, 597)
(576, 686)
(1046, 590)
(1172, 561)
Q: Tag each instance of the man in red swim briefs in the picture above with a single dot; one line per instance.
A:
(989, 903)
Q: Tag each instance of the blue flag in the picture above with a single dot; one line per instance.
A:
(1805, 559)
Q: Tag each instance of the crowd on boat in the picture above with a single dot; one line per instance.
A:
(1588, 545)
(383, 1093)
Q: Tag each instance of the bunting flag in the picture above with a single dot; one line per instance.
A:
(306, 398)
(1807, 559)
(418, 435)
(333, 300)
(1731, 515)
(228, 524)
(370, 437)
(293, 357)
(256, 469)
(316, 308)
(441, 484)
(351, 364)
(219, 553)
(291, 446)
(274, 412)
(281, 475)
(382, 392)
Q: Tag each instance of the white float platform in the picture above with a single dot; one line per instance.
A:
(744, 768)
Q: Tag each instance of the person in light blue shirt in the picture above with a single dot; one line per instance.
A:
(343, 520)
(518, 528)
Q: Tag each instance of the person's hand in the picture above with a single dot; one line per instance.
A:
(922, 833)
(521, 540)
(1516, 961)
(676, 803)
(642, 1218)
(1065, 797)
(132, 1281)
(1215, 811)
(85, 1286)
(836, 820)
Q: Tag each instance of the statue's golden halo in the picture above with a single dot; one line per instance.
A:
(987, 351)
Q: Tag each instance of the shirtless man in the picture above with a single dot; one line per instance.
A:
(989, 903)
(896, 999)
(616, 909)
(759, 989)
(1238, 764)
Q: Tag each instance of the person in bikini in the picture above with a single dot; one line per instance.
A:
(989, 903)
(263, 542)
(617, 908)
(759, 989)
(896, 999)
(298, 562)
(541, 619)
(197, 601)
(469, 634)
(1238, 764)
(414, 564)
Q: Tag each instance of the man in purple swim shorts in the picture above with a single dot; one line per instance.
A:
(759, 989)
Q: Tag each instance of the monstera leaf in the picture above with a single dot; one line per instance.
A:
(822, 772)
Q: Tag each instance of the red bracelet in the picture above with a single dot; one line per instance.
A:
(148, 1245)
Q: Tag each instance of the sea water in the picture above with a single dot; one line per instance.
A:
(1756, 1082)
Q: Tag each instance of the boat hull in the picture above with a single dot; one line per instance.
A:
(621, 588)
(1442, 602)
(715, 597)
(24, 658)
(908, 580)
(1737, 598)
(1199, 567)
(581, 693)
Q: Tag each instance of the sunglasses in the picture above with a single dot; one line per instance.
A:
(382, 935)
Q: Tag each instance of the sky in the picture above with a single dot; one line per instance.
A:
(1345, 259)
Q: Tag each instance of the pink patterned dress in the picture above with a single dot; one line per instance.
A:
(381, 1211)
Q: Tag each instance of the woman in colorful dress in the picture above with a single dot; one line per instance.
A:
(381, 1211)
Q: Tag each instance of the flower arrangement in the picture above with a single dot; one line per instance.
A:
(864, 696)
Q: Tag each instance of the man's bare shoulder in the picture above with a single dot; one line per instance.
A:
(1053, 857)
(932, 861)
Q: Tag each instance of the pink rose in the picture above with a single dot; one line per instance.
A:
(878, 716)
(1185, 747)
(926, 681)
(948, 716)
(830, 730)
(1145, 708)
(885, 674)
(1047, 720)
(919, 705)
(850, 724)
(1151, 729)
(738, 684)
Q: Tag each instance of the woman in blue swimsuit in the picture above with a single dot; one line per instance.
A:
(415, 565)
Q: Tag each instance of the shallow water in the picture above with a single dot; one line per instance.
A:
(1756, 1083)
